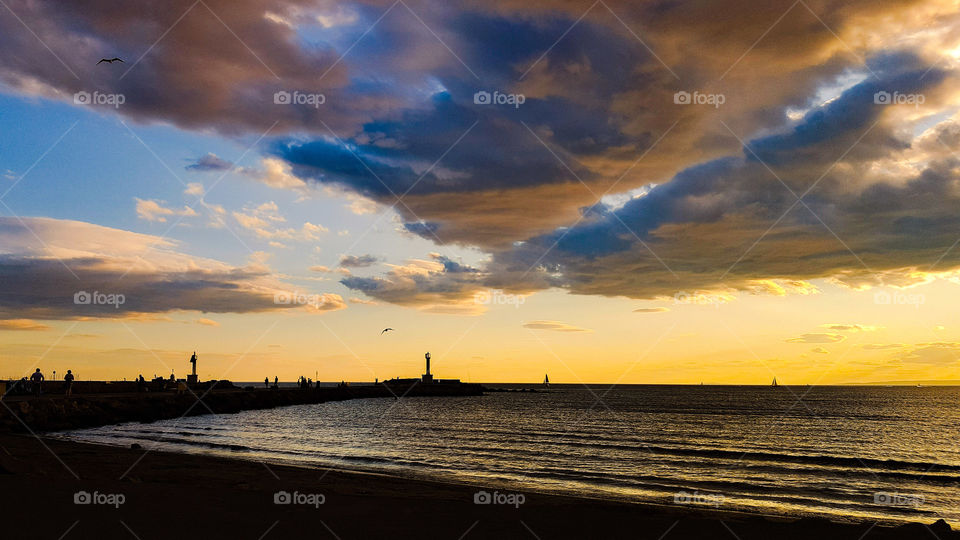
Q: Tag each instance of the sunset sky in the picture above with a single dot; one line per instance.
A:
(662, 192)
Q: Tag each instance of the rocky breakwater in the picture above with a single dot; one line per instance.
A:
(54, 413)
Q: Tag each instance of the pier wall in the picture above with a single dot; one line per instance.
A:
(54, 413)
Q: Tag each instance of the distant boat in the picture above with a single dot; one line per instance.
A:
(774, 384)
(546, 380)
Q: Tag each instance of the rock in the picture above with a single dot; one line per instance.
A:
(136, 446)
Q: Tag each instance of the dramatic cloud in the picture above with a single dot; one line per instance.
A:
(83, 271)
(735, 223)
(599, 182)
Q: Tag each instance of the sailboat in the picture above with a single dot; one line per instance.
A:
(774, 384)
(546, 380)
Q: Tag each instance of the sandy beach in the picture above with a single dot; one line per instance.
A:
(138, 494)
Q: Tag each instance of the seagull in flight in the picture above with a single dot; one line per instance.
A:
(386, 330)
(110, 60)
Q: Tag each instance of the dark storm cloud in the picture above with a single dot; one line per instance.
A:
(523, 182)
(700, 229)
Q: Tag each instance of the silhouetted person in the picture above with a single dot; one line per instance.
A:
(276, 382)
(68, 383)
(140, 383)
(266, 382)
(36, 379)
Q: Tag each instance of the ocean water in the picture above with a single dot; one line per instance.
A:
(859, 453)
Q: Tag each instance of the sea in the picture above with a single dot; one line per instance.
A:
(849, 453)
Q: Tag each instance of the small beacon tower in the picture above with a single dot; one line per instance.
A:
(192, 378)
(427, 377)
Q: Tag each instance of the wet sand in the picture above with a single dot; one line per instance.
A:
(167, 495)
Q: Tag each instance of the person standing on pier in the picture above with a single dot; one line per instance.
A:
(36, 379)
(68, 383)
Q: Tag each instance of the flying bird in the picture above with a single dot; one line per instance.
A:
(109, 60)
(385, 330)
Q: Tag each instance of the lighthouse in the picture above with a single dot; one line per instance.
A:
(192, 378)
(427, 377)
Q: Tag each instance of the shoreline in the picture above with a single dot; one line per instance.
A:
(230, 496)
(216, 452)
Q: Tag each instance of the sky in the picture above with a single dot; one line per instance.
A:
(607, 192)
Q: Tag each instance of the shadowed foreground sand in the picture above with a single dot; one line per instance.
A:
(186, 496)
